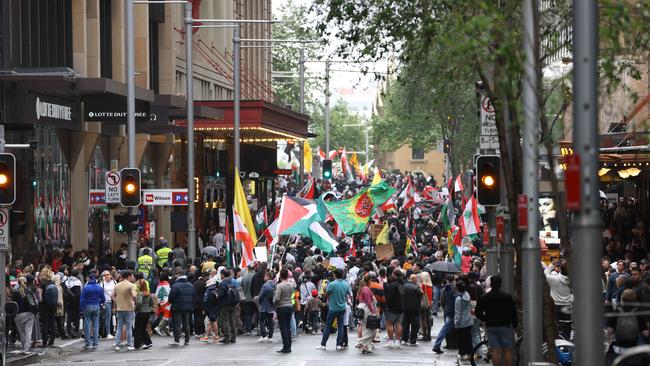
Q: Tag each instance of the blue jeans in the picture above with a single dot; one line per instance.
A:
(294, 328)
(437, 290)
(108, 318)
(91, 316)
(125, 318)
(331, 315)
(448, 326)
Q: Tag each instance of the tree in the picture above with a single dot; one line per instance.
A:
(286, 57)
(351, 138)
(424, 106)
(486, 36)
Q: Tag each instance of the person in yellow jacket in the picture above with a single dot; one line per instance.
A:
(163, 255)
(145, 262)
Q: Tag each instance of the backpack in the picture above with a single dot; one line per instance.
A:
(51, 295)
(210, 297)
(627, 326)
(32, 302)
(232, 294)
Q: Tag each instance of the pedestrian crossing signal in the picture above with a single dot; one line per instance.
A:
(327, 169)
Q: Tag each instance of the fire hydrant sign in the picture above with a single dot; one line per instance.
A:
(4, 229)
(113, 194)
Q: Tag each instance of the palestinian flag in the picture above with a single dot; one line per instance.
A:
(448, 214)
(305, 217)
(353, 214)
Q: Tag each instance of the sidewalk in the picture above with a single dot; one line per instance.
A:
(14, 358)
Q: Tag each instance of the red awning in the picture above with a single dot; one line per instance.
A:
(258, 120)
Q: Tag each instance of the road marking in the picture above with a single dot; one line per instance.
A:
(168, 362)
(66, 344)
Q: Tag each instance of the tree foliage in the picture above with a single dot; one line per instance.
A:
(351, 138)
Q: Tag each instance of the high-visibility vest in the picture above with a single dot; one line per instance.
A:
(163, 256)
(145, 264)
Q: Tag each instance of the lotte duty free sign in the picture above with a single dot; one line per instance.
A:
(165, 197)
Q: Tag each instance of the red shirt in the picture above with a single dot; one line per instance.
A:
(56, 265)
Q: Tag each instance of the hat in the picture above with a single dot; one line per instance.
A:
(644, 261)
(314, 293)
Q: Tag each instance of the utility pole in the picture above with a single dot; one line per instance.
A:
(189, 98)
(302, 109)
(585, 269)
(236, 42)
(327, 107)
(530, 264)
(130, 115)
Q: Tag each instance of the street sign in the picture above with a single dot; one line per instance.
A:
(522, 212)
(572, 182)
(501, 229)
(165, 197)
(97, 197)
(112, 190)
(488, 139)
(4, 230)
(152, 229)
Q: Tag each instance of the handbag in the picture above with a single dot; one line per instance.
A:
(359, 313)
(373, 322)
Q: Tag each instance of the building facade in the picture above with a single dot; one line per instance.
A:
(63, 85)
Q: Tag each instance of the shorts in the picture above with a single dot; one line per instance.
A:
(393, 317)
(213, 315)
(500, 337)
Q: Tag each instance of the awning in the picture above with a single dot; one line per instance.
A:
(260, 121)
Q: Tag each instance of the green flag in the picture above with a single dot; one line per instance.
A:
(353, 214)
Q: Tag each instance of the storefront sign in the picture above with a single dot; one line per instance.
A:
(112, 110)
(27, 107)
(165, 197)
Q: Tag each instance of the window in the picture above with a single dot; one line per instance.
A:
(105, 40)
(417, 153)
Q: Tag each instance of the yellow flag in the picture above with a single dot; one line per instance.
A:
(382, 238)
(354, 162)
(307, 157)
(241, 205)
(376, 179)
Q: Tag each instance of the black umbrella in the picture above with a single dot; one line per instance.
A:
(442, 266)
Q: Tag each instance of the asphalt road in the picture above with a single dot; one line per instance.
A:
(248, 352)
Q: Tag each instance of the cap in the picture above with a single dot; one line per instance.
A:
(314, 293)
(644, 261)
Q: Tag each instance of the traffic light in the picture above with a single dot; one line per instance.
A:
(130, 187)
(125, 223)
(327, 169)
(488, 180)
(446, 146)
(7, 179)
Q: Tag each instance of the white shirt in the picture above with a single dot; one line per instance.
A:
(108, 289)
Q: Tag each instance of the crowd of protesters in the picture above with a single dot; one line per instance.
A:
(302, 290)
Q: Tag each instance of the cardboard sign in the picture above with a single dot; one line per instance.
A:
(384, 251)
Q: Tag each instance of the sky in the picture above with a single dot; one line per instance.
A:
(357, 90)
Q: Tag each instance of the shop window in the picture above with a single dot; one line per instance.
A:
(417, 153)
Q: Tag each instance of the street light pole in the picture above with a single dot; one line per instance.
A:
(302, 109)
(236, 54)
(130, 112)
(531, 271)
(585, 269)
(327, 107)
(189, 98)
